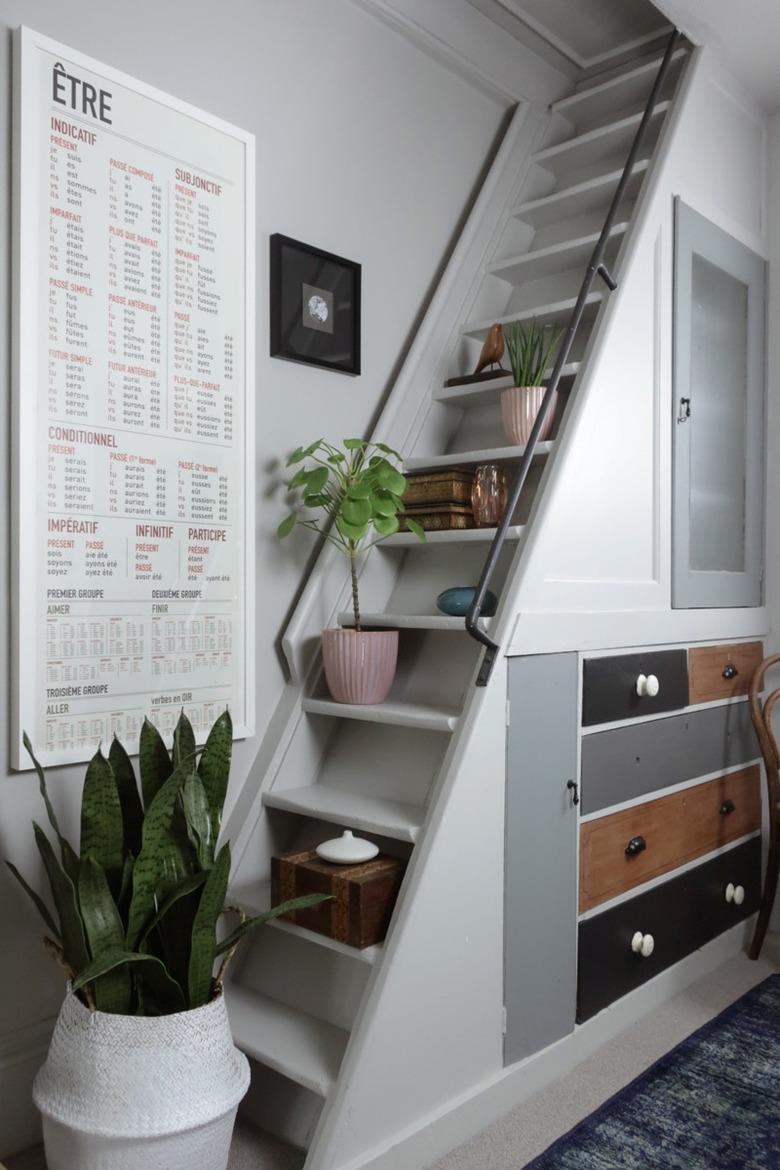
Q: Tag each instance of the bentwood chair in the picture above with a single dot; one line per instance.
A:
(762, 721)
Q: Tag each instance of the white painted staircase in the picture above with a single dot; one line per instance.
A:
(353, 1047)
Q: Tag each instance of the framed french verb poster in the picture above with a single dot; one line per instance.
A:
(133, 521)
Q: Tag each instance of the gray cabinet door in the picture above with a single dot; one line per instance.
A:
(718, 417)
(540, 952)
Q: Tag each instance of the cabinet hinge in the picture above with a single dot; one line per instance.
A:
(503, 1021)
(508, 713)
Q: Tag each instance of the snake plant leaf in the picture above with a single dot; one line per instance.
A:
(198, 818)
(214, 769)
(70, 861)
(163, 860)
(165, 989)
(187, 886)
(102, 828)
(184, 749)
(204, 929)
(63, 891)
(43, 909)
(127, 787)
(154, 762)
(287, 525)
(126, 886)
(105, 934)
(288, 907)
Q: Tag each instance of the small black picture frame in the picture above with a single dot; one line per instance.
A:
(315, 306)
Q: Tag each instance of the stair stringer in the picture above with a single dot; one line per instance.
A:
(430, 1027)
(599, 546)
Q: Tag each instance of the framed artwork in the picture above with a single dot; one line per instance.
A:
(315, 306)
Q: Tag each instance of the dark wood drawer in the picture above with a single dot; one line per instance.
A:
(626, 762)
(681, 915)
(609, 685)
(624, 849)
(722, 672)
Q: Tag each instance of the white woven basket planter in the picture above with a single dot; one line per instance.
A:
(140, 1093)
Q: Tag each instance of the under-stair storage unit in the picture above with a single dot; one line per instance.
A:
(375, 1049)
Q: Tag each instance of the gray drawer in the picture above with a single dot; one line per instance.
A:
(609, 685)
(627, 762)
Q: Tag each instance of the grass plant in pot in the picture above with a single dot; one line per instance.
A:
(142, 1070)
(358, 492)
(530, 348)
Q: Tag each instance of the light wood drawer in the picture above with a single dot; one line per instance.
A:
(681, 915)
(722, 672)
(624, 849)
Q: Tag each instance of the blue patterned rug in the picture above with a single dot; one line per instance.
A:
(712, 1103)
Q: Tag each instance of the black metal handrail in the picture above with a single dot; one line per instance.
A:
(596, 267)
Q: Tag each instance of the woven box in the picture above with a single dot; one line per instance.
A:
(439, 517)
(452, 486)
(363, 895)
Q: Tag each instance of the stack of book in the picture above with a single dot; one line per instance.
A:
(439, 500)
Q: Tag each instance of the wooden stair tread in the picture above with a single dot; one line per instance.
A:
(466, 458)
(587, 149)
(483, 393)
(256, 899)
(423, 716)
(300, 1047)
(554, 258)
(341, 806)
(579, 199)
(628, 88)
(409, 621)
(546, 314)
(453, 535)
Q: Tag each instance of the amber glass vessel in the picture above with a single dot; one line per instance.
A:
(488, 495)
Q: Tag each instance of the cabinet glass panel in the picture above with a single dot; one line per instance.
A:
(718, 458)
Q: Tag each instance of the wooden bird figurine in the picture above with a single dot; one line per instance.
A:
(492, 350)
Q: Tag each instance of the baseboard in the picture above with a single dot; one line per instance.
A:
(21, 1054)
(461, 1119)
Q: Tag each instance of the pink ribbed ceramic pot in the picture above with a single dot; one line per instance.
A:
(359, 664)
(519, 408)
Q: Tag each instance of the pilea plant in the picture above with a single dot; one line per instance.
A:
(358, 489)
(136, 910)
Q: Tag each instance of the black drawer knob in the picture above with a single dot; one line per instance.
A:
(635, 846)
(727, 807)
(730, 670)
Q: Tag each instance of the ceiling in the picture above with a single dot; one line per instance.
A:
(746, 33)
(581, 32)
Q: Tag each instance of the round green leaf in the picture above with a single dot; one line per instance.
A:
(316, 501)
(414, 527)
(356, 512)
(386, 525)
(296, 456)
(300, 478)
(354, 444)
(359, 490)
(354, 532)
(387, 450)
(317, 479)
(392, 480)
(384, 503)
(286, 526)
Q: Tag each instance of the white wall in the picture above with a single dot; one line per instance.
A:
(368, 145)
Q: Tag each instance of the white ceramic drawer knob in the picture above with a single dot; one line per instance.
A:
(647, 686)
(735, 894)
(643, 944)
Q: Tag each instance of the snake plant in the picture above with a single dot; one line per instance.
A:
(136, 909)
(530, 348)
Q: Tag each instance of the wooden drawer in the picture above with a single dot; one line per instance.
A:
(681, 915)
(624, 849)
(609, 685)
(627, 762)
(722, 672)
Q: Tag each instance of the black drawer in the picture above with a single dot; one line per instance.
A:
(682, 915)
(609, 685)
(626, 762)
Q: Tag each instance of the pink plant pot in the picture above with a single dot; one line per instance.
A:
(519, 408)
(359, 664)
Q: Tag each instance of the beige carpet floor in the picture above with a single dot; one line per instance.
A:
(518, 1137)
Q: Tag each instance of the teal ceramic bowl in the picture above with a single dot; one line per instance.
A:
(456, 601)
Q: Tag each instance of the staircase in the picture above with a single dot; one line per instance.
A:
(319, 1018)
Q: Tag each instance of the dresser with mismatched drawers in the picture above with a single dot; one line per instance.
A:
(634, 797)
